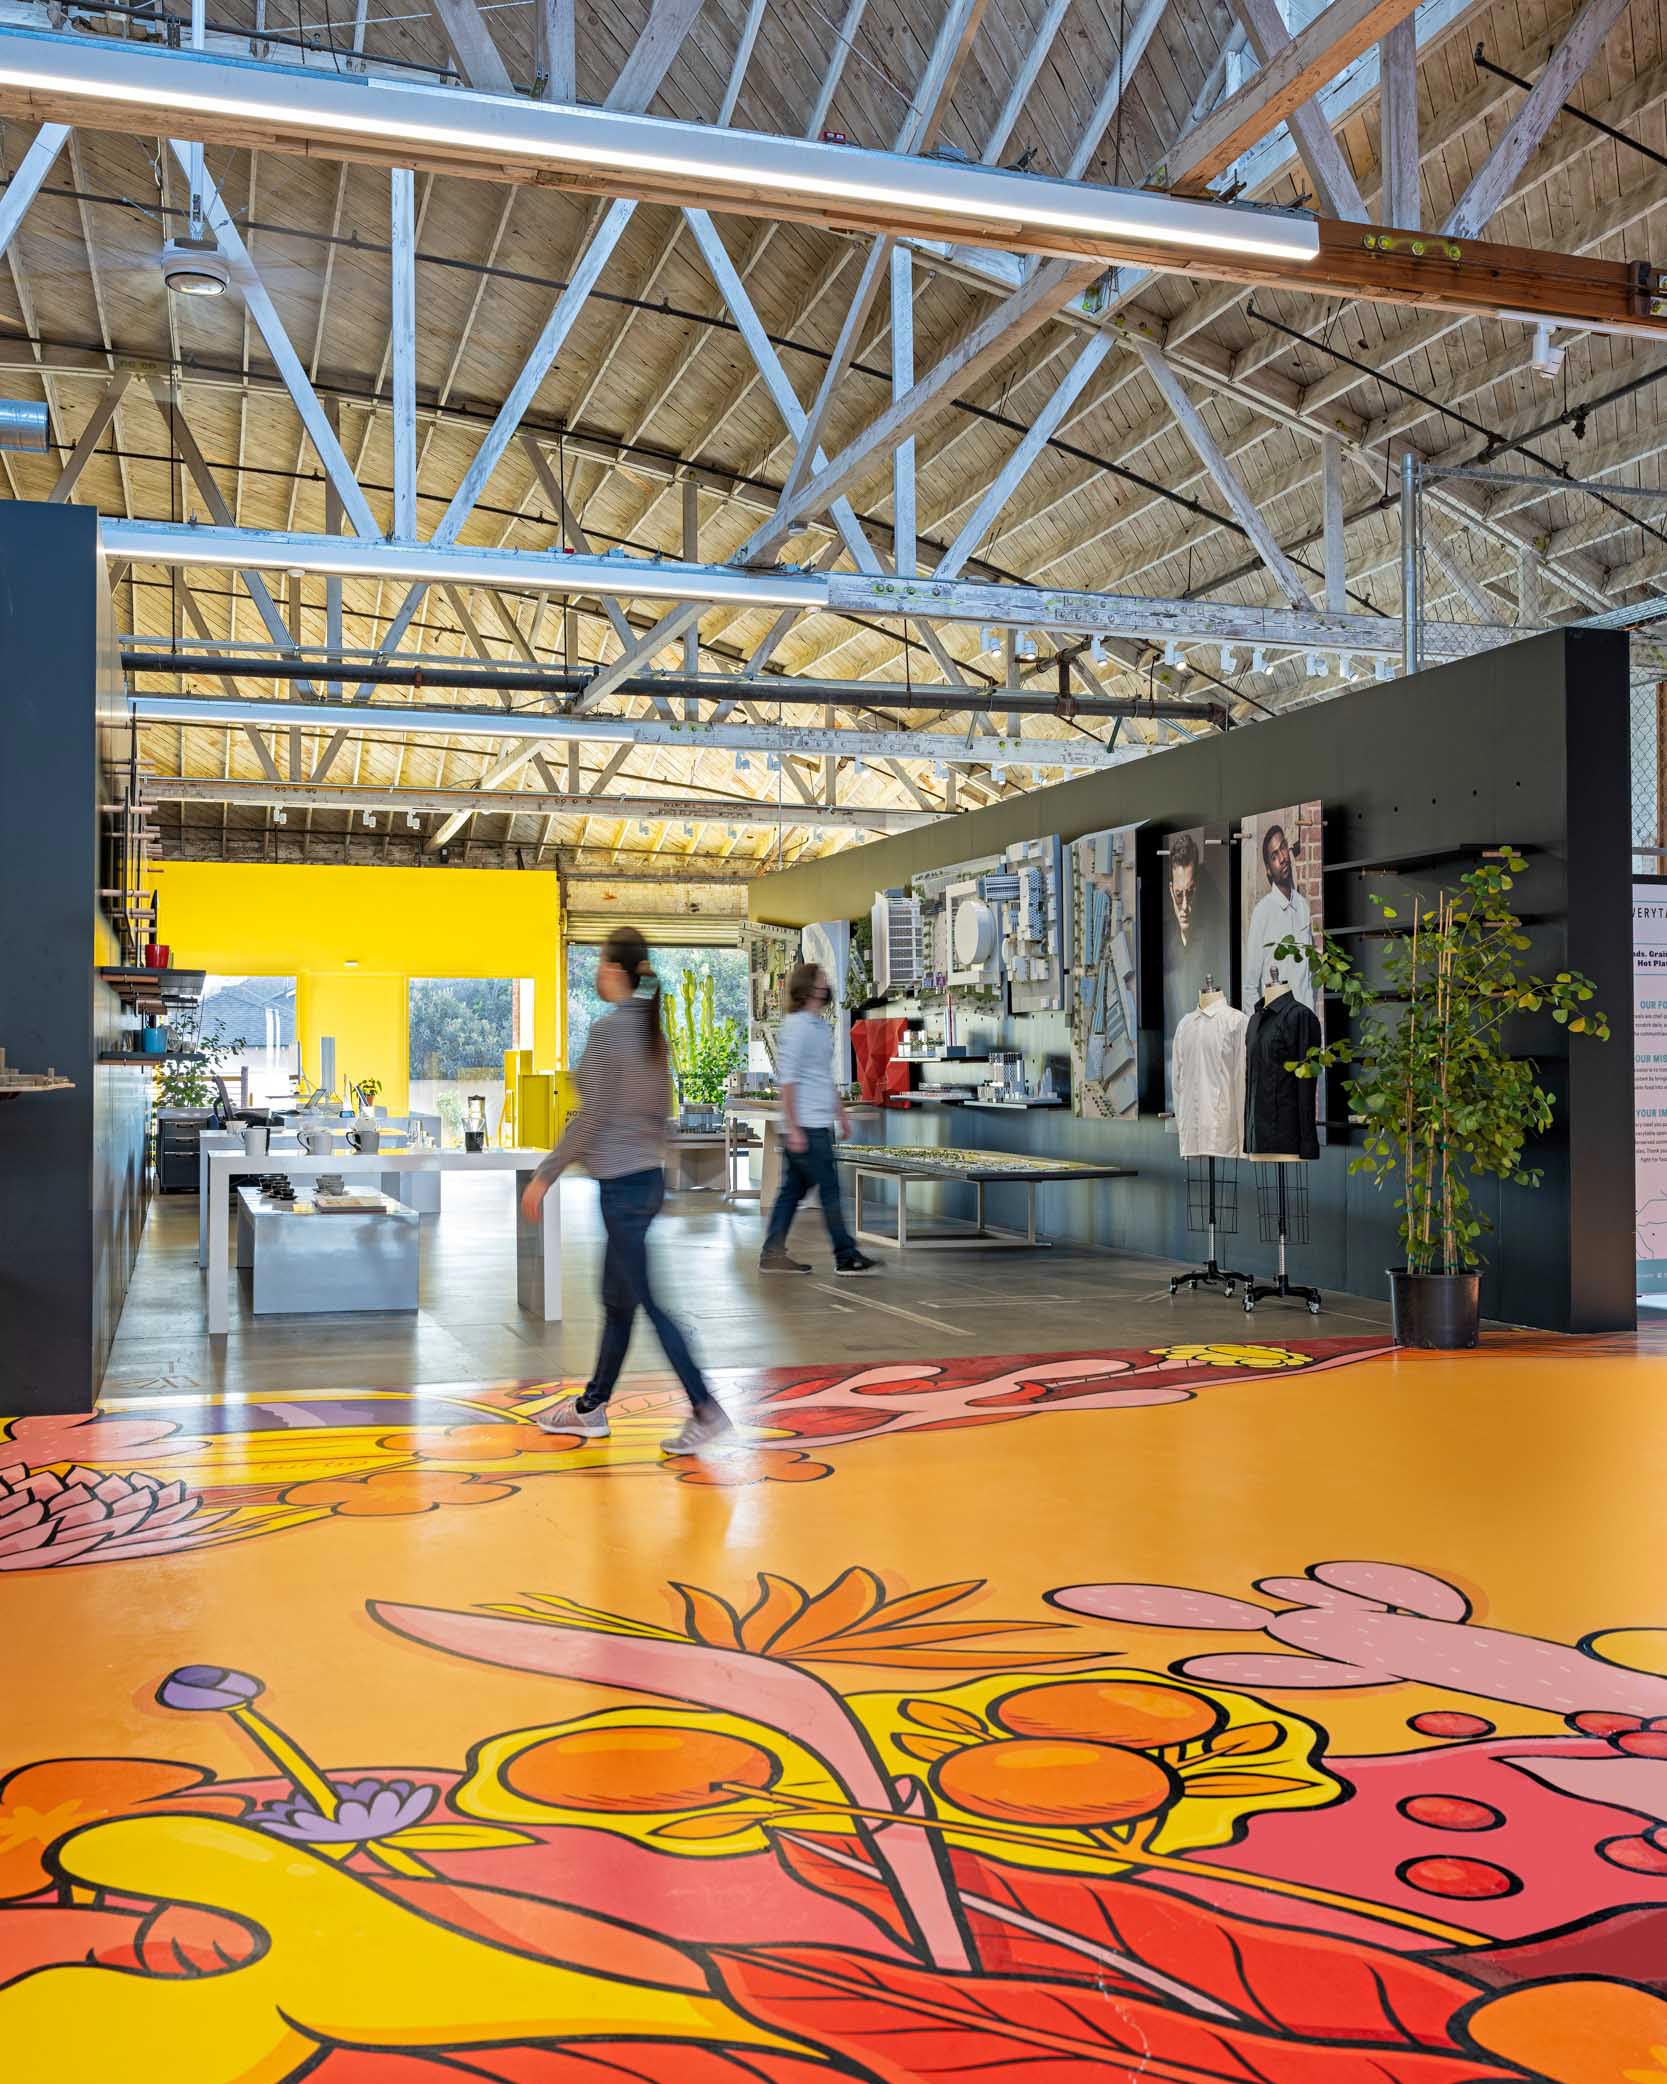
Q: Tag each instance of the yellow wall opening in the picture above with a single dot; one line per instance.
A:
(353, 938)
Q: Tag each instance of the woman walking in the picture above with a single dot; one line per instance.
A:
(619, 1136)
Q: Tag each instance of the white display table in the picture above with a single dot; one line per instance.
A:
(537, 1246)
(303, 1261)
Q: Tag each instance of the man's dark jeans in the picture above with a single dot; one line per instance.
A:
(629, 1205)
(813, 1168)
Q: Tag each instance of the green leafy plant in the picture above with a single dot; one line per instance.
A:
(1441, 1098)
(185, 1077)
(704, 1049)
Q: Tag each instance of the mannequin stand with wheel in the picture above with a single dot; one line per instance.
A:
(1280, 1130)
(1208, 1079)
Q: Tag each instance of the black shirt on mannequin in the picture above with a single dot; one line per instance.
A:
(1279, 1107)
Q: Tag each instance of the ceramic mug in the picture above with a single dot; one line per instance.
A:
(364, 1140)
(255, 1138)
(317, 1143)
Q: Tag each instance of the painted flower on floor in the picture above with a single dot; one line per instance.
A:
(40, 1804)
(396, 1493)
(154, 1476)
(83, 1516)
(852, 1620)
(898, 1887)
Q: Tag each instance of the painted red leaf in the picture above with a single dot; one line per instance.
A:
(1294, 1982)
(594, 2062)
(914, 2025)
(843, 1870)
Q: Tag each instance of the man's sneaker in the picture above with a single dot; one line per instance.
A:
(848, 1269)
(707, 1427)
(571, 1416)
(780, 1262)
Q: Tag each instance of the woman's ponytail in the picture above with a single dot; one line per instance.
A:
(626, 948)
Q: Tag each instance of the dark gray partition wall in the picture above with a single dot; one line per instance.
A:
(71, 1164)
(1527, 744)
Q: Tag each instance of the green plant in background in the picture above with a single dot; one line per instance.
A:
(186, 1077)
(704, 1049)
(1441, 1098)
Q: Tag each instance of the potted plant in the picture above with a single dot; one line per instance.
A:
(1441, 1098)
(188, 1076)
(704, 1049)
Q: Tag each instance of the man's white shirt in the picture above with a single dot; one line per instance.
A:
(1275, 917)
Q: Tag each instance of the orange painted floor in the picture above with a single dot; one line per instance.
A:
(1274, 1714)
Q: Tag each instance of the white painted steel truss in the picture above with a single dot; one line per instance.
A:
(499, 134)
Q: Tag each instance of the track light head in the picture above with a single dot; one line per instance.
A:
(194, 268)
(1548, 356)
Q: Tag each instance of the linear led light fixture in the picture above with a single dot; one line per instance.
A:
(356, 557)
(102, 83)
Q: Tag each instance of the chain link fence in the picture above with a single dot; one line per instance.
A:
(1646, 775)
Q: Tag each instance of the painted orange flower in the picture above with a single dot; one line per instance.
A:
(40, 1804)
(396, 1493)
(479, 1443)
(854, 1620)
(1577, 2032)
(732, 1470)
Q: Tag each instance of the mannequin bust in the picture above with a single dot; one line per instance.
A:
(1208, 995)
(1276, 990)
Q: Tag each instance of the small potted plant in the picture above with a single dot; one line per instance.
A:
(1441, 1099)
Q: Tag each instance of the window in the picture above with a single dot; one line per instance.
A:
(728, 968)
(261, 1012)
(460, 1028)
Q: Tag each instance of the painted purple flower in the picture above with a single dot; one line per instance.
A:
(365, 1809)
(200, 1686)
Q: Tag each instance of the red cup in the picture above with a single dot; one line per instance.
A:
(156, 956)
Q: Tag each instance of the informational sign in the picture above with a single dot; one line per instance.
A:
(1649, 1059)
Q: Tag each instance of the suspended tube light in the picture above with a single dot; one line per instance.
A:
(100, 82)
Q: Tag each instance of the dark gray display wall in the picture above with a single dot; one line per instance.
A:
(1528, 744)
(72, 1190)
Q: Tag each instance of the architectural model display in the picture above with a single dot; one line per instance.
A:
(1104, 983)
(771, 953)
(898, 947)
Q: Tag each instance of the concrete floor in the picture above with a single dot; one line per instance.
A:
(469, 1328)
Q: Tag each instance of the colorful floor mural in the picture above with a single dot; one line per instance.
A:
(955, 1727)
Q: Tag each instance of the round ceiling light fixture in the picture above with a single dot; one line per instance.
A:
(194, 268)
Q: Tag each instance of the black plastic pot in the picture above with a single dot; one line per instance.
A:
(1437, 1310)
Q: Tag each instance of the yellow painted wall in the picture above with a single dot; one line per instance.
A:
(238, 918)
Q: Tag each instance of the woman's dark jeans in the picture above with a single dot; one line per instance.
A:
(629, 1205)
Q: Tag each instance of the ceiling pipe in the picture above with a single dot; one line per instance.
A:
(721, 687)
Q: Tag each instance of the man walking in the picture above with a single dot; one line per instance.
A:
(811, 1111)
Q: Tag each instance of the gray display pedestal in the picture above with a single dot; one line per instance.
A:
(302, 1262)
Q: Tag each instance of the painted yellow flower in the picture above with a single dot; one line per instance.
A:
(1227, 1354)
(682, 1779)
(1062, 1771)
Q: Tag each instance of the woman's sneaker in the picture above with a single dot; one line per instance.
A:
(707, 1427)
(573, 1416)
(856, 1264)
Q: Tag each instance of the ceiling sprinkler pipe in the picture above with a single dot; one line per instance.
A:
(728, 687)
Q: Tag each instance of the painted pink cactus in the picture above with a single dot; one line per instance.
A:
(1377, 1624)
(85, 1516)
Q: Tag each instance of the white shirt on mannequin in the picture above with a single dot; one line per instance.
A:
(1209, 1081)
